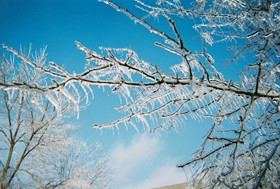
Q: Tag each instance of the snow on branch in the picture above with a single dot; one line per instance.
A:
(244, 138)
(244, 110)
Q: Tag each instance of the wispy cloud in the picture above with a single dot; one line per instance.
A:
(140, 164)
(128, 158)
(166, 174)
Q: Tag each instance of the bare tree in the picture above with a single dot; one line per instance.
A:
(36, 148)
(241, 149)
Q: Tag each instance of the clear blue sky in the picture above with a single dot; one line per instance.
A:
(139, 159)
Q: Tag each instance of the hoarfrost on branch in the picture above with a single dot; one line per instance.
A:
(241, 148)
(36, 148)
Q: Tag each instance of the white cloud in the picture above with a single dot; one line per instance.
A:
(128, 159)
(167, 174)
(140, 164)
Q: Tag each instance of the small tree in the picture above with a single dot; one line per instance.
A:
(36, 148)
(244, 110)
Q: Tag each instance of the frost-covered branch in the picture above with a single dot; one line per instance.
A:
(244, 110)
(36, 149)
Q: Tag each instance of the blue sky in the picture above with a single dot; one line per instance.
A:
(139, 159)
